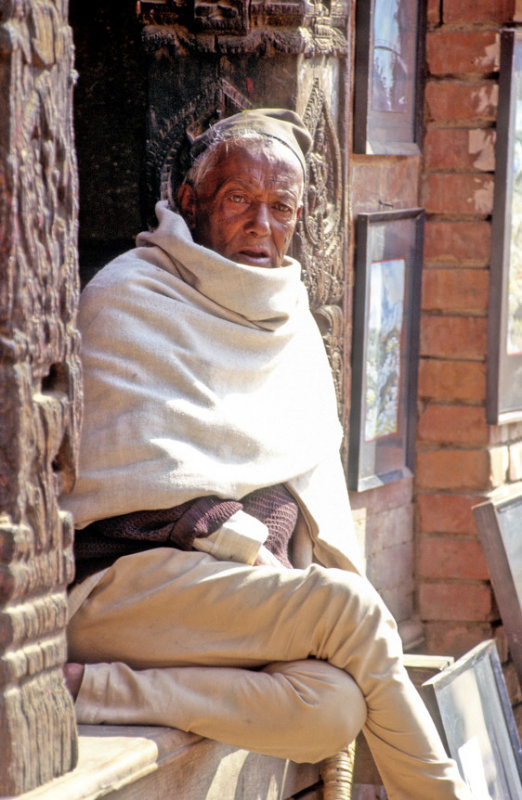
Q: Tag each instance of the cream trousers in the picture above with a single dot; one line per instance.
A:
(238, 654)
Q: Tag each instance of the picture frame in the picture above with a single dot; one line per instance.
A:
(385, 347)
(498, 525)
(504, 366)
(470, 706)
(389, 77)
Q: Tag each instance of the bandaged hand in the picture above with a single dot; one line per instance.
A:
(238, 539)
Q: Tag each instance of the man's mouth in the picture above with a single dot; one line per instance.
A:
(254, 254)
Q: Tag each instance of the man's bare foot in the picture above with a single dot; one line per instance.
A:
(73, 674)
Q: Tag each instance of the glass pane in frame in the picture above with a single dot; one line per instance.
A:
(385, 347)
(389, 87)
(504, 376)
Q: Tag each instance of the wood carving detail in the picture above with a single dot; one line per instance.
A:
(320, 239)
(168, 147)
(291, 27)
(40, 391)
(330, 320)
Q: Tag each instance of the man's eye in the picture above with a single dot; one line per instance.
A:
(237, 198)
(283, 208)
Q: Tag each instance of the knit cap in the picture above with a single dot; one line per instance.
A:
(278, 123)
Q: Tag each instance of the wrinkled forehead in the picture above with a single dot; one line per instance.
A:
(246, 158)
(262, 143)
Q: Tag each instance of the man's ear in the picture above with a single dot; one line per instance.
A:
(187, 204)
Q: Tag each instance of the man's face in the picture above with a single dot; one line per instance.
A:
(248, 204)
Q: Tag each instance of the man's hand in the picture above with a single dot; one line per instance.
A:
(266, 557)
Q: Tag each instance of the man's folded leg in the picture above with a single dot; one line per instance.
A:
(167, 608)
(302, 710)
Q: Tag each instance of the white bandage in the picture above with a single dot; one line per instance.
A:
(238, 539)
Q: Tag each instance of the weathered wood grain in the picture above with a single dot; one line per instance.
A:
(133, 763)
(39, 388)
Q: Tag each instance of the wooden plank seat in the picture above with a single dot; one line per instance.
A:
(118, 762)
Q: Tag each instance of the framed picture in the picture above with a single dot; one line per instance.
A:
(385, 347)
(389, 68)
(504, 377)
(470, 705)
(499, 528)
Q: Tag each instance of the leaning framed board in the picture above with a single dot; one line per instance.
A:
(499, 524)
(470, 705)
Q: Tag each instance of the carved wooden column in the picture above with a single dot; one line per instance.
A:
(39, 385)
(210, 59)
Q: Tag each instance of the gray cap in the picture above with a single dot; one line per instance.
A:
(278, 123)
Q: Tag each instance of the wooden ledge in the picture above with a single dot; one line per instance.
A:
(137, 763)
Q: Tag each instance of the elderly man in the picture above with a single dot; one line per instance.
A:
(210, 479)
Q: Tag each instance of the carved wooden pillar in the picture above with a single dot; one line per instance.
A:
(210, 59)
(39, 385)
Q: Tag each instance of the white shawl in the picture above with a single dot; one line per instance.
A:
(202, 376)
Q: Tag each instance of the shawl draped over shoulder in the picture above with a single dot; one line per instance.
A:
(206, 377)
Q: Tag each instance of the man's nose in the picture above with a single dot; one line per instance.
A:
(259, 218)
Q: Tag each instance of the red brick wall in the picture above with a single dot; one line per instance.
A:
(460, 458)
